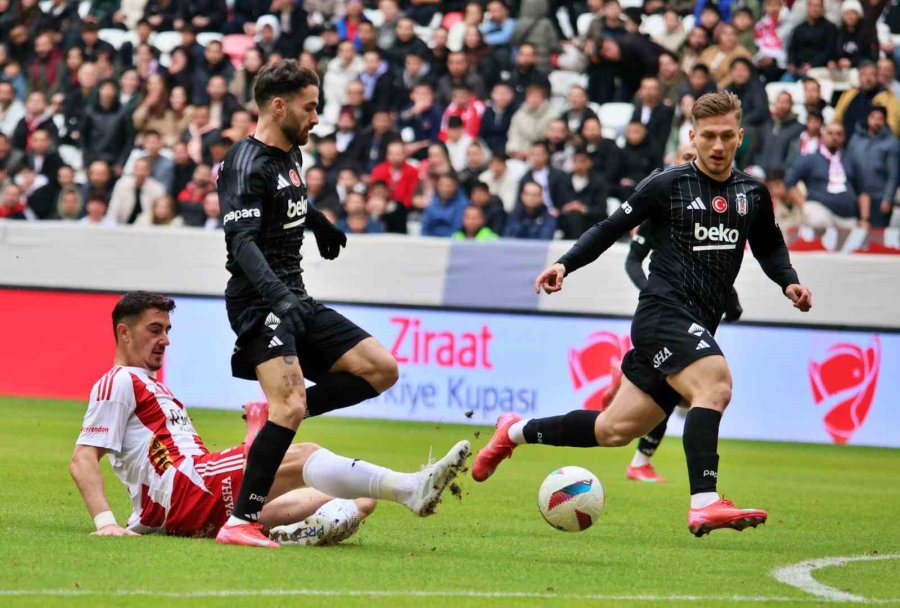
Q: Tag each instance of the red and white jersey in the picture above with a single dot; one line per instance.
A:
(149, 436)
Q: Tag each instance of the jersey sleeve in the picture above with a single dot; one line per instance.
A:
(243, 190)
(112, 402)
(642, 204)
(767, 244)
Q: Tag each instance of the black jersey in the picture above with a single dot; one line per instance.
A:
(698, 228)
(264, 211)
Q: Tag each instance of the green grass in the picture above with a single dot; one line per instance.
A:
(823, 501)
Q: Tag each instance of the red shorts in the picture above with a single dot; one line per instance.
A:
(200, 510)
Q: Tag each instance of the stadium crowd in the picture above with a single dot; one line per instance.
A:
(528, 119)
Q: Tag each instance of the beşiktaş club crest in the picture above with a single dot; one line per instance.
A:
(740, 202)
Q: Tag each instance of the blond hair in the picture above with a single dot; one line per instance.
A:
(716, 104)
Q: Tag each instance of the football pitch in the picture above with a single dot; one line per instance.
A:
(490, 547)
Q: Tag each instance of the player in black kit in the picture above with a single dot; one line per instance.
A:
(282, 333)
(701, 215)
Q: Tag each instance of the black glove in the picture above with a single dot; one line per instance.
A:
(293, 314)
(329, 237)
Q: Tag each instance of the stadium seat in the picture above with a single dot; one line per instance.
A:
(451, 19)
(615, 116)
(313, 44)
(236, 46)
(375, 16)
(117, 37)
(561, 81)
(653, 25)
(774, 89)
(565, 24)
(205, 38)
(583, 23)
(84, 8)
(165, 42)
(688, 22)
(638, 4)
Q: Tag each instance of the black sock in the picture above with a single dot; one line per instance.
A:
(263, 460)
(336, 390)
(648, 444)
(701, 439)
(575, 429)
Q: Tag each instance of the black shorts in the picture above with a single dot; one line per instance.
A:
(666, 338)
(328, 336)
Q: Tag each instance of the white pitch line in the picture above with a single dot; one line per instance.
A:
(419, 594)
(800, 576)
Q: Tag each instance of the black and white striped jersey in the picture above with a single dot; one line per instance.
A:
(699, 228)
(263, 203)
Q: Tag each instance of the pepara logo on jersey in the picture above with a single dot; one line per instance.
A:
(596, 368)
(845, 382)
(721, 236)
(240, 214)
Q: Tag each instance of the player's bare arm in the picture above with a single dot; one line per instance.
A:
(85, 470)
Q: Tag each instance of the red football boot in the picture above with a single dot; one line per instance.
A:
(247, 535)
(256, 413)
(498, 448)
(644, 473)
(723, 514)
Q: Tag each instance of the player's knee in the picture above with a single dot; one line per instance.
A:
(615, 434)
(302, 451)
(717, 396)
(389, 373)
(289, 408)
(379, 369)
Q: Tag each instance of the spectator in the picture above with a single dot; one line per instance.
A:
(473, 227)
(577, 110)
(561, 143)
(222, 104)
(554, 183)
(41, 158)
(788, 215)
(671, 78)
(771, 34)
(424, 118)
(320, 193)
(855, 42)
(526, 73)
(529, 123)
(627, 59)
(184, 166)
(162, 14)
(127, 54)
(375, 139)
(107, 133)
(654, 114)
(492, 211)
(406, 43)
(743, 22)
(416, 71)
(830, 197)
(242, 126)
(467, 108)
(497, 117)
(343, 69)
(532, 218)
(200, 134)
(134, 196)
(680, 135)
(720, 57)
(459, 75)
(810, 139)
(443, 215)
(707, 16)
(606, 154)
(475, 164)
(348, 140)
(673, 35)
(872, 161)
(243, 17)
(268, 37)
(853, 106)
(100, 179)
(400, 176)
(190, 198)
(13, 205)
(96, 211)
(328, 159)
(697, 42)
(589, 192)
(36, 117)
(380, 88)
(813, 43)
(754, 103)
(130, 90)
(387, 31)
(10, 158)
(699, 82)
(887, 76)
(348, 181)
(638, 160)
(812, 96)
(360, 223)
(502, 180)
(214, 63)
(70, 205)
(457, 142)
(348, 23)
(293, 19)
(473, 15)
(11, 109)
(242, 83)
(779, 133)
(609, 23)
(211, 210)
(533, 27)
(204, 15)
(163, 213)
(91, 45)
(182, 69)
(44, 200)
(478, 54)
(498, 29)
(45, 70)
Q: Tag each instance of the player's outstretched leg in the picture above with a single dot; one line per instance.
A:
(641, 467)
(631, 414)
(706, 385)
(333, 521)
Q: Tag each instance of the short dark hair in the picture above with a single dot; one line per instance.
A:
(775, 175)
(880, 109)
(701, 67)
(284, 77)
(742, 61)
(134, 303)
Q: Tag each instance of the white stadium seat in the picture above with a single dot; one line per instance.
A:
(165, 42)
(205, 38)
(653, 25)
(615, 116)
(117, 37)
(774, 89)
(561, 81)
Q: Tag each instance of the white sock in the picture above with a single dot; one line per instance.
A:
(235, 521)
(704, 499)
(640, 459)
(516, 432)
(343, 477)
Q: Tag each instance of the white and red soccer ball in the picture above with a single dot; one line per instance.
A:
(571, 499)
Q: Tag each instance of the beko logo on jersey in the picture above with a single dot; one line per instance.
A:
(717, 234)
(240, 214)
(295, 209)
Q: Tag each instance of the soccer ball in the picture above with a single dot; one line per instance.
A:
(571, 499)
